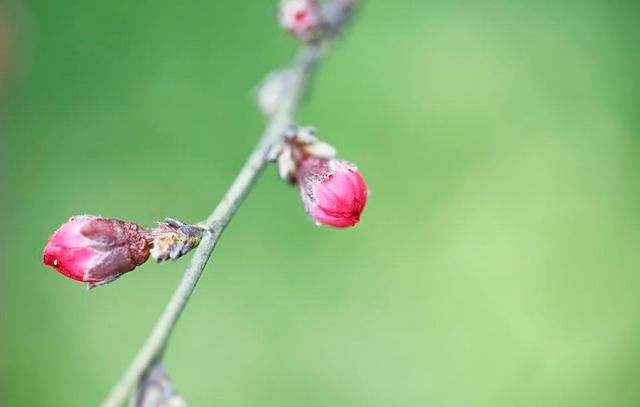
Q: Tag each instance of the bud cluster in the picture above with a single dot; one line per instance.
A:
(310, 21)
(98, 250)
(332, 190)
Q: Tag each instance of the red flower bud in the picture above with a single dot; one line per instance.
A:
(302, 18)
(332, 190)
(96, 250)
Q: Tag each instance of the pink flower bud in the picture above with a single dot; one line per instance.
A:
(302, 18)
(96, 250)
(332, 190)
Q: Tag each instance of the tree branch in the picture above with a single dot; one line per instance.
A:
(301, 69)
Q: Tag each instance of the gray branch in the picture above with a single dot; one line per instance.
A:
(301, 69)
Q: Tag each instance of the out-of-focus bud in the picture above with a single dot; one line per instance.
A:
(302, 18)
(333, 191)
(96, 250)
(173, 239)
(156, 390)
(337, 13)
(271, 91)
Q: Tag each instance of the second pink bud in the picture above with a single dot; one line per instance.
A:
(332, 190)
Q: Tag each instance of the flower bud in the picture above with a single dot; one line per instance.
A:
(302, 18)
(271, 91)
(96, 250)
(332, 190)
(156, 390)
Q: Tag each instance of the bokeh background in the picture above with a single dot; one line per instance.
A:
(497, 261)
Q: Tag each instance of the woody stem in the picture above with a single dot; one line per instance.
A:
(301, 69)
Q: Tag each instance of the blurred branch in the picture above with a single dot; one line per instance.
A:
(301, 69)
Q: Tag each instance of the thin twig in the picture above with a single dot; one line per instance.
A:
(301, 69)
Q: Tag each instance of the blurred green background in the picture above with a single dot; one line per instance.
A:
(496, 263)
